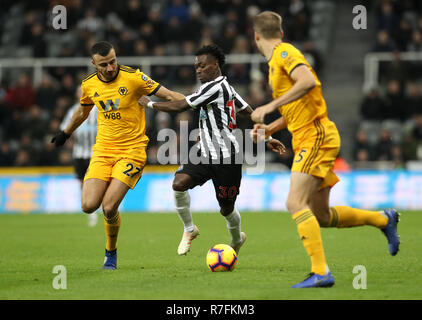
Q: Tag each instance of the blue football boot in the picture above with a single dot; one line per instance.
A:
(316, 281)
(390, 231)
(110, 260)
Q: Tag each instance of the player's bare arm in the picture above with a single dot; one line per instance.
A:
(304, 82)
(168, 95)
(79, 116)
(168, 106)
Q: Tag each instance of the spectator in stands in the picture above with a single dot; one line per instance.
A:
(193, 26)
(297, 26)
(23, 159)
(227, 39)
(372, 106)
(7, 156)
(409, 147)
(36, 40)
(46, 93)
(417, 129)
(92, 24)
(387, 18)
(383, 43)
(67, 89)
(147, 34)
(395, 104)
(36, 122)
(125, 43)
(384, 146)
(309, 49)
(140, 48)
(50, 154)
(397, 69)
(22, 95)
(415, 44)
(31, 146)
(176, 9)
(403, 35)
(414, 101)
(363, 150)
(134, 14)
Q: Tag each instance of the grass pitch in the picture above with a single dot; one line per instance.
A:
(271, 261)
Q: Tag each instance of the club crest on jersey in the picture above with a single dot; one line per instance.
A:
(122, 91)
(284, 54)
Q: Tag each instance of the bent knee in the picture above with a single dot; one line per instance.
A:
(89, 207)
(179, 186)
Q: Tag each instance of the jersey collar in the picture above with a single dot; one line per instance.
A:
(118, 70)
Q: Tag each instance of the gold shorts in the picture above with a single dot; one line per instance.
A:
(124, 168)
(316, 147)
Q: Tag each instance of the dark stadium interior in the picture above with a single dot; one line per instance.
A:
(387, 117)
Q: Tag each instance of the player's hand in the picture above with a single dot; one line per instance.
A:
(60, 138)
(276, 146)
(259, 113)
(143, 101)
(259, 132)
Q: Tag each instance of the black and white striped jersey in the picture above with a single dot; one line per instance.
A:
(217, 103)
(85, 135)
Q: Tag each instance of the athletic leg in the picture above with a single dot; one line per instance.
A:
(182, 182)
(226, 180)
(93, 191)
(302, 188)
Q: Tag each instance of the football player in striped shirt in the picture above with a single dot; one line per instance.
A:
(217, 103)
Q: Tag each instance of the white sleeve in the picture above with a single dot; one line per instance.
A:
(239, 103)
(204, 95)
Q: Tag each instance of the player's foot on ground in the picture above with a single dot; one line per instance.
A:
(390, 231)
(237, 246)
(186, 241)
(316, 281)
(110, 260)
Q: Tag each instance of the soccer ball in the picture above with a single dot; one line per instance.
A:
(221, 257)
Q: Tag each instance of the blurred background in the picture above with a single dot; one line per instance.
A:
(371, 82)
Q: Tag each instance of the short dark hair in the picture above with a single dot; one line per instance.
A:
(214, 51)
(102, 48)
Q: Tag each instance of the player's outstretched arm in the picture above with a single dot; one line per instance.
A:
(304, 82)
(168, 95)
(168, 106)
(79, 116)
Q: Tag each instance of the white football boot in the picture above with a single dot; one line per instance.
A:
(186, 241)
(237, 246)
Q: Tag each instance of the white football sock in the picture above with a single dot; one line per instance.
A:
(233, 225)
(182, 201)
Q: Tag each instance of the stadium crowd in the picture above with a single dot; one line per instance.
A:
(391, 113)
(31, 114)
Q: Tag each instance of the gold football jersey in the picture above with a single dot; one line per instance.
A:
(121, 120)
(299, 113)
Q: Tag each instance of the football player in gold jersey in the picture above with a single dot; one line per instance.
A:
(119, 154)
(298, 96)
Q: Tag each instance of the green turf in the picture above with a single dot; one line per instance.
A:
(271, 261)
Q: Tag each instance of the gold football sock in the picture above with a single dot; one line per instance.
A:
(112, 227)
(344, 217)
(310, 234)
